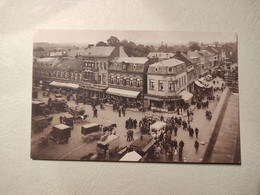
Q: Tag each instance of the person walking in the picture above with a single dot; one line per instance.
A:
(188, 114)
(175, 144)
(196, 145)
(175, 130)
(61, 119)
(197, 132)
(123, 110)
(119, 112)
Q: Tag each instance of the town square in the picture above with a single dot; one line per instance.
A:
(120, 100)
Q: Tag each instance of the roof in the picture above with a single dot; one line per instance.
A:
(90, 125)
(160, 55)
(71, 63)
(56, 53)
(212, 50)
(76, 52)
(142, 143)
(122, 52)
(61, 126)
(132, 60)
(167, 63)
(37, 102)
(193, 54)
(108, 139)
(99, 51)
(131, 156)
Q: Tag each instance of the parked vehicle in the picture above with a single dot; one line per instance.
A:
(60, 133)
(59, 105)
(40, 122)
(68, 120)
(91, 132)
(111, 144)
(39, 108)
(143, 144)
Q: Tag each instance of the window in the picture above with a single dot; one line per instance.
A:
(131, 81)
(185, 79)
(138, 82)
(135, 66)
(104, 78)
(179, 82)
(99, 79)
(151, 84)
(160, 85)
(123, 66)
(112, 80)
(117, 80)
(182, 82)
(124, 81)
(105, 65)
(101, 65)
(171, 86)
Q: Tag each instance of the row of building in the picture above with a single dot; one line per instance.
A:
(160, 80)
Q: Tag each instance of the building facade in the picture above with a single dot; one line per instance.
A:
(97, 61)
(165, 80)
(127, 80)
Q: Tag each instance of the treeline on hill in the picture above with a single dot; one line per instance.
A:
(140, 50)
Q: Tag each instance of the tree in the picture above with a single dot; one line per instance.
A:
(39, 49)
(101, 43)
(113, 41)
(194, 47)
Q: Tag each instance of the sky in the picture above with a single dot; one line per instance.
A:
(143, 37)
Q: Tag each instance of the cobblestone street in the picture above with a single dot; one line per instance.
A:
(76, 147)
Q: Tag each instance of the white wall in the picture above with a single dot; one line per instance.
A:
(21, 175)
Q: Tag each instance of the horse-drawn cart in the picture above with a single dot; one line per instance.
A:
(40, 122)
(59, 105)
(60, 133)
(91, 132)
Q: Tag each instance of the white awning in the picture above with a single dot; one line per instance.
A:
(131, 156)
(122, 92)
(199, 84)
(68, 85)
(186, 95)
(159, 125)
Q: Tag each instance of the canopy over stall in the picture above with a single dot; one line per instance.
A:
(186, 95)
(122, 92)
(131, 156)
(199, 84)
(159, 125)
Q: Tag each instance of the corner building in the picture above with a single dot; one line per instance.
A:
(165, 80)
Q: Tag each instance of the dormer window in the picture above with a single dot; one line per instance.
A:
(156, 69)
(135, 66)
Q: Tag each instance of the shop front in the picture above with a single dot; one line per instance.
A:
(132, 98)
(63, 88)
(163, 104)
(92, 93)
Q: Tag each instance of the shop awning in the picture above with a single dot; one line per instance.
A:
(199, 84)
(122, 92)
(131, 156)
(186, 95)
(67, 85)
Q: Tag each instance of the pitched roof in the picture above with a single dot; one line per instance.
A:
(167, 63)
(132, 60)
(160, 55)
(71, 63)
(205, 53)
(99, 51)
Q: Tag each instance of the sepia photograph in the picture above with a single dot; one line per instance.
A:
(135, 96)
